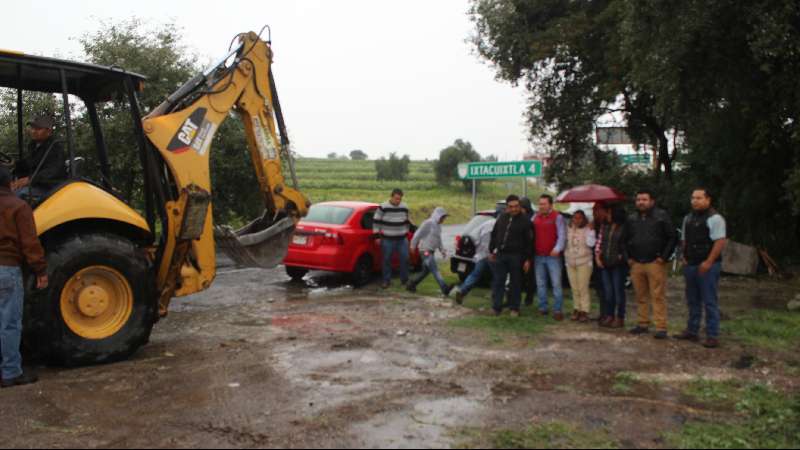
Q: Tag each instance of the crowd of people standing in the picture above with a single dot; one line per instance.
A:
(527, 252)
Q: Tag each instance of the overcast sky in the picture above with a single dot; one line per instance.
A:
(375, 75)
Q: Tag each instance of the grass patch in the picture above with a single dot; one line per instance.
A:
(772, 420)
(713, 392)
(497, 326)
(558, 435)
(330, 180)
(623, 382)
(480, 299)
(776, 330)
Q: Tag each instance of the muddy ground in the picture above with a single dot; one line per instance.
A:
(260, 362)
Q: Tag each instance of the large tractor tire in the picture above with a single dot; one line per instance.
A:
(100, 306)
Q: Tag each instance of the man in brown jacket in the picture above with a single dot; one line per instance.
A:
(19, 246)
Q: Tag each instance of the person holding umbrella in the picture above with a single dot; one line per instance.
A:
(602, 197)
(579, 254)
(611, 258)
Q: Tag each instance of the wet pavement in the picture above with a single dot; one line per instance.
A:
(258, 361)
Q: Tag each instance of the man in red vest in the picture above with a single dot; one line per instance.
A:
(551, 238)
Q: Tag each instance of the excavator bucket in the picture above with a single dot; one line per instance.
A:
(263, 243)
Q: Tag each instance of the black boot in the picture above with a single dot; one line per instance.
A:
(21, 380)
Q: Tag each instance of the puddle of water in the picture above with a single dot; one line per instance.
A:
(336, 377)
(425, 424)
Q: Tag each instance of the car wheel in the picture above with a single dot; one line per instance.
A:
(362, 274)
(296, 273)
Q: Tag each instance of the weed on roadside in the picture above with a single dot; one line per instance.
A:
(556, 435)
(623, 382)
(772, 420)
(713, 393)
(775, 330)
(497, 326)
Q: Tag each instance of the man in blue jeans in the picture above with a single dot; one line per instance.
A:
(391, 226)
(484, 238)
(550, 230)
(704, 239)
(19, 245)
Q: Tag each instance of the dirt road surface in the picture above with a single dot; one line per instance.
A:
(260, 362)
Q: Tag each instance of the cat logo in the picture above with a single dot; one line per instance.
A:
(182, 141)
(188, 132)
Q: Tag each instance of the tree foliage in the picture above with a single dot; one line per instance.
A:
(720, 76)
(446, 167)
(394, 168)
(358, 155)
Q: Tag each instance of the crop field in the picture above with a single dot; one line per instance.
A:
(329, 180)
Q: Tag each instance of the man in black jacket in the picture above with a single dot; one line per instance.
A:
(528, 279)
(44, 166)
(651, 240)
(511, 249)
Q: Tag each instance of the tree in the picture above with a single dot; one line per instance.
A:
(567, 56)
(358, 155)
(393, 169)
(333, 155)
(727, 74)
(446, 168)
(721, 76)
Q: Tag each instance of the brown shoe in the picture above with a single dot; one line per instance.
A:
(583, 318)
(558, 317)
(617, 324)
(606, 322)
(687, 336)
(544, 313)
(711, 343)
(576, 315)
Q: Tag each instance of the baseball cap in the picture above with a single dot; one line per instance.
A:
(42, 122)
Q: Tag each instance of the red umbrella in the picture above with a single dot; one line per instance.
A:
(591, 193)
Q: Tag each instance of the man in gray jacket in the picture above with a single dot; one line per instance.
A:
(429, 239)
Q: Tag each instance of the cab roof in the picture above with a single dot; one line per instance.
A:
(88, 81)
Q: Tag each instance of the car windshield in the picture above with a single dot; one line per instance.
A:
(472, 227)
(331, 215)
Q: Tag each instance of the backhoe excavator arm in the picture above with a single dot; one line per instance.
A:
(182, 130)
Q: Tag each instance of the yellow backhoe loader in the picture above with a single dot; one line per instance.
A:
(114, 271)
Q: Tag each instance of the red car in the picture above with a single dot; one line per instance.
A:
(337, 237)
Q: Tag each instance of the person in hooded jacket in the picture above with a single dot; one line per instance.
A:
(428, 239)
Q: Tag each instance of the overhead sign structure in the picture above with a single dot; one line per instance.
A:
(494, 170)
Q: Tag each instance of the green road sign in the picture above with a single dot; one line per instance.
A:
(641, 158)
(493, 170)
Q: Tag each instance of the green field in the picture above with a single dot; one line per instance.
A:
(328, 180)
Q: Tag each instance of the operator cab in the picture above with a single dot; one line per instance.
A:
(75, 95)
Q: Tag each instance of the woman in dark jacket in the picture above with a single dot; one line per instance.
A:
(611, 259)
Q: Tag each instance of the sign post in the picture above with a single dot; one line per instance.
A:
(495, 170)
